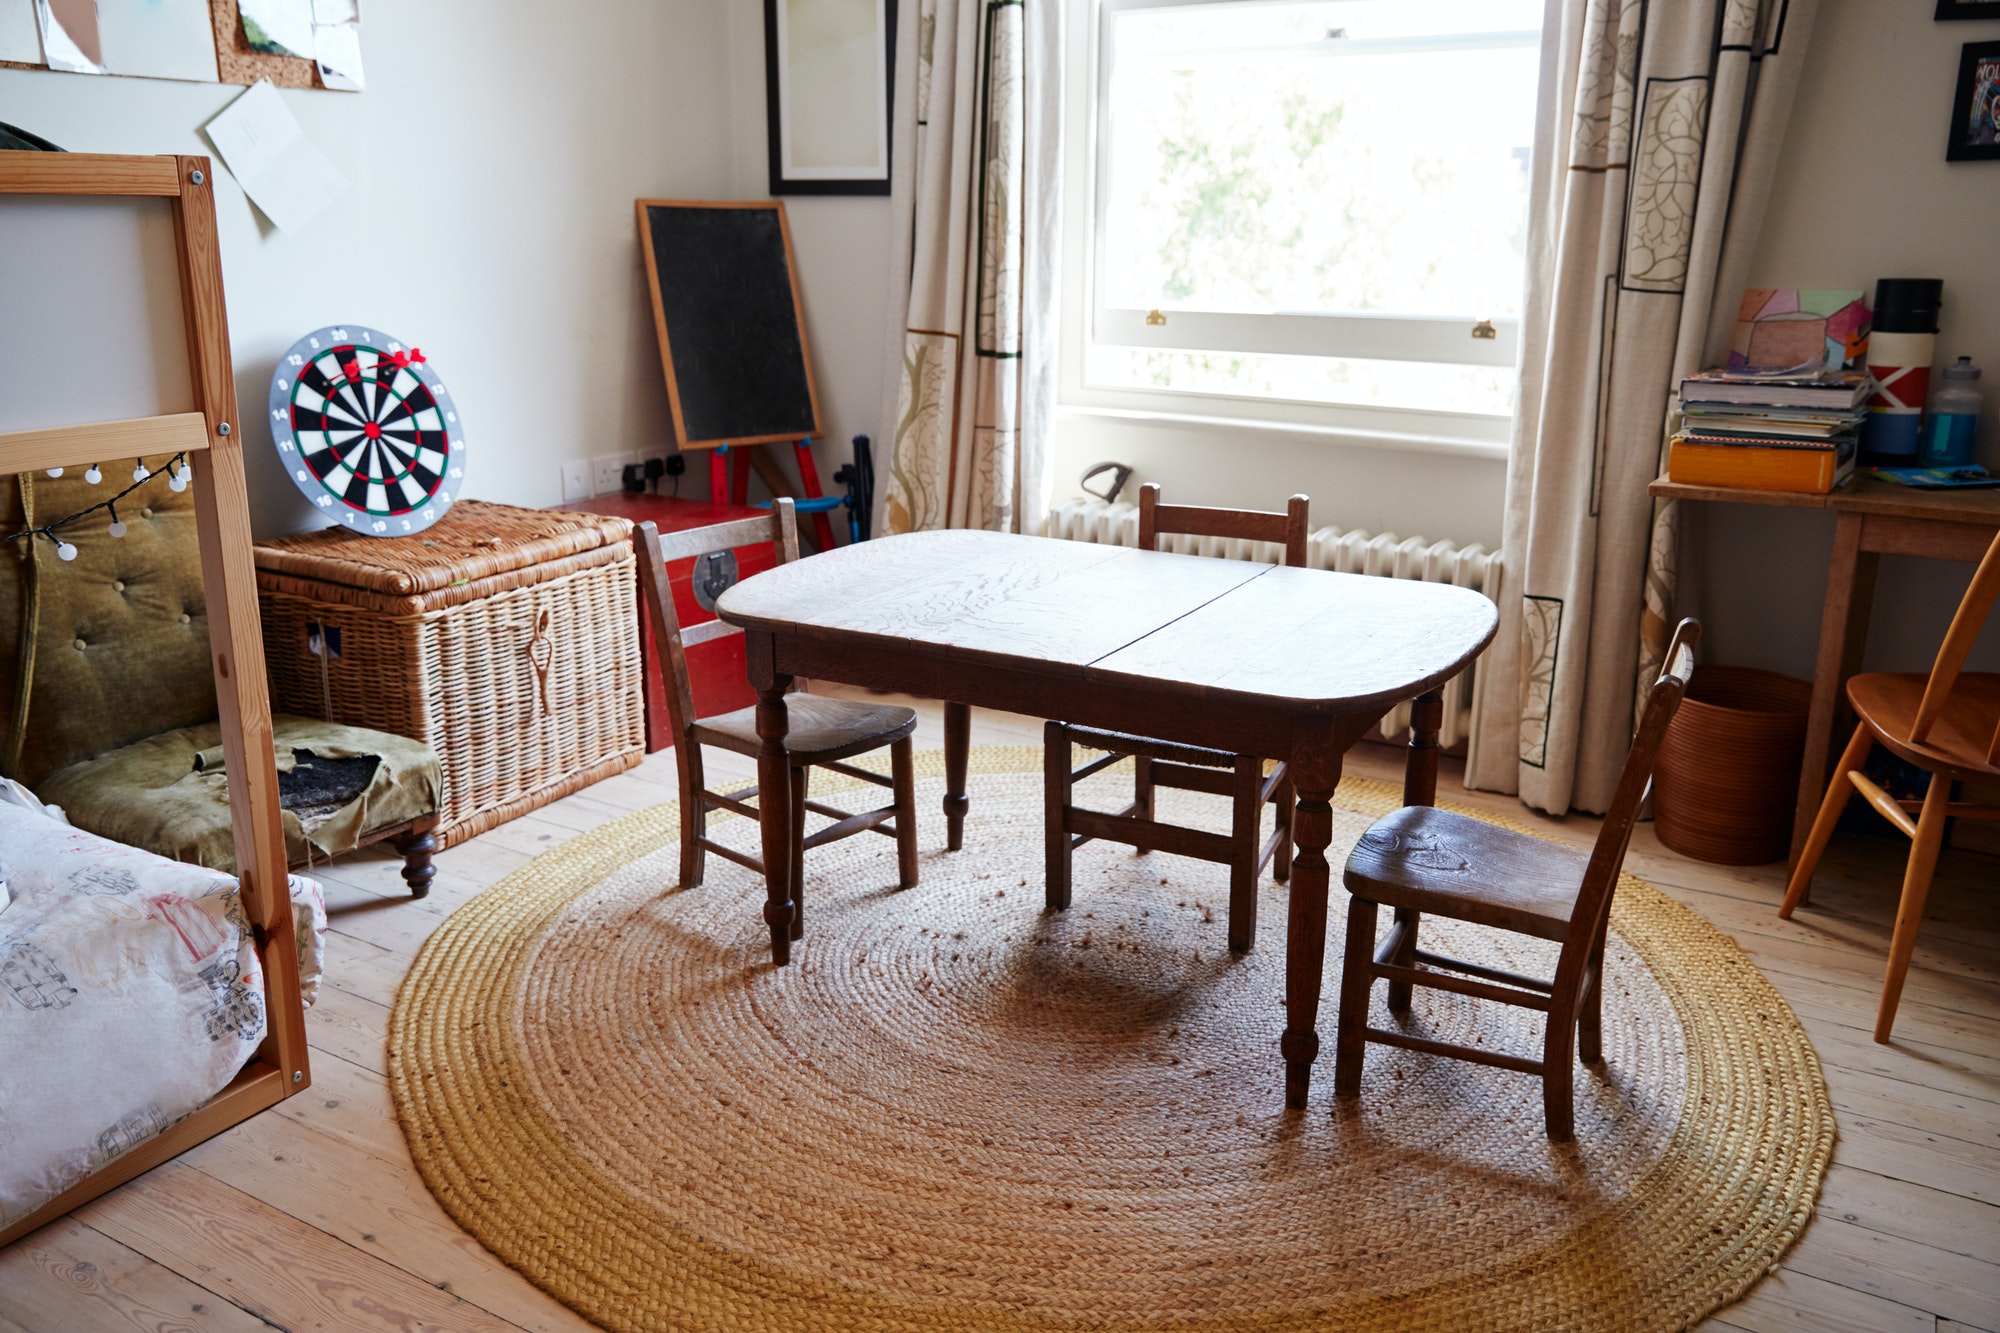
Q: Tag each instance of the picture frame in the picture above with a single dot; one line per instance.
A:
(1975, 105)
(829, 81)
(1958, 10)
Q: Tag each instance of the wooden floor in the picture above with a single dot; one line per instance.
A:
(311, 1216)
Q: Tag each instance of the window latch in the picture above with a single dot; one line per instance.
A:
(1154, 319)
(1484, 329)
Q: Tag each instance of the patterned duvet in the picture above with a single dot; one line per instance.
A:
(130, 994)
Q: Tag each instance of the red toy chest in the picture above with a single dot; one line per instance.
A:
(717, 669)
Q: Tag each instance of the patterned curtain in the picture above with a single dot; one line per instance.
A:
(974, 382)
(1658, 129)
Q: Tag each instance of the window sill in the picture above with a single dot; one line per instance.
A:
(1455, 446)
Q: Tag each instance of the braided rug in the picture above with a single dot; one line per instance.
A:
(952, 1112)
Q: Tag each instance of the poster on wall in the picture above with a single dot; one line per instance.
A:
(1975, 111)
(828, 69)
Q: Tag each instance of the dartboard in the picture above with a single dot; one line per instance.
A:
(367, 431)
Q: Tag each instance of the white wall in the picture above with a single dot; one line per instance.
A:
(491, 169)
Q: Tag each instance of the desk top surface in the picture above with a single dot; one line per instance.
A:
(1201, 627)
(1863, 495)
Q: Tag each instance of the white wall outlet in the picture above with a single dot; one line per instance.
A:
(607, 473)
(576, 480)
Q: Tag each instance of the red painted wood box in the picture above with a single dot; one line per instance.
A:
(717, 669)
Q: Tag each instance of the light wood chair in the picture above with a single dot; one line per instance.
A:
(823, 731)
(1155, 764)
(1422, 859)
(1946, 723)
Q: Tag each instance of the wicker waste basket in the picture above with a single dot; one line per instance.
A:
(504, 637)
(1728, 775)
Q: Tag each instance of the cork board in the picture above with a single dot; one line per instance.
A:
(235, 62)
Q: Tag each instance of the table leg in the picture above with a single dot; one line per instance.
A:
(957, 745)
(1843, 633)
(1316, 772)
(774, 807)
(1420, 766)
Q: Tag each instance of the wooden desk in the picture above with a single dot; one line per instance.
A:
(1285, 663)
(1871, 519)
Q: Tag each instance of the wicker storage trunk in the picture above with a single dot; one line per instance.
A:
(506, 638)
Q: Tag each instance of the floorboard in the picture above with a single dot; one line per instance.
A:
(312, 1215)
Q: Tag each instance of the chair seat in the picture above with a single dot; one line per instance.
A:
(1444, 863)
(821, 730)
(1887, 702)
(1119, 742)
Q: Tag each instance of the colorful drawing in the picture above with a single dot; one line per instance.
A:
(1787, 328)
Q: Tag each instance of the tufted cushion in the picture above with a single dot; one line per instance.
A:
(122, 646)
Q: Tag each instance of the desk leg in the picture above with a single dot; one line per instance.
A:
(1316, 771)
(957, 744)
(774, 804)
(1843, 633)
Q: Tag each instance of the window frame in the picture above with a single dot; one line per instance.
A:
(1089, 319)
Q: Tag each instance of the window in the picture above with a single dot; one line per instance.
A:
(1317, 203)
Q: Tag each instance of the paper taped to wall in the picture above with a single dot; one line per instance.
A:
(20, 34)
(284, 173)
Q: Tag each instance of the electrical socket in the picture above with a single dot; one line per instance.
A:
(607, 473)
(576, 480)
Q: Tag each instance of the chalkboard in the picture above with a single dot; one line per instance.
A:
(726, 308)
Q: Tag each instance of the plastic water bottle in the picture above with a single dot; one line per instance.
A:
(1953, 424)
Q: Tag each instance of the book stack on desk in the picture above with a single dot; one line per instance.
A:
(1783, 432)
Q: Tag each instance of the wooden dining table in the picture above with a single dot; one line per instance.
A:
(1285, 663)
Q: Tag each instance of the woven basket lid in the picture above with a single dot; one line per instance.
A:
(476, 540)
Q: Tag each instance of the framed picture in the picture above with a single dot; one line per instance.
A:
(1966, 9)
(1975, 109)
(829, 70)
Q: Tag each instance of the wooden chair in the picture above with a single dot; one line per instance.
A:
(1157, 764)
(1422, 859)
(823, 731)
(1946, 723)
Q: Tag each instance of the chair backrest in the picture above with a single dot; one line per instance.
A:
(657, 551)
(1258, 525)
(1965, 626)
(1607, 857)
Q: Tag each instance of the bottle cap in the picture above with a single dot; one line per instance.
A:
(1964, 370)
(1908, 305)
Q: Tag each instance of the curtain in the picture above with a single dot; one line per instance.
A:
(972, 382)
(1658, 129)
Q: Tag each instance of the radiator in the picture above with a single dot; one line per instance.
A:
(1348, 552)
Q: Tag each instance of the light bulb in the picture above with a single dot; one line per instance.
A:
(139, 473)
(93, 476)
(117, 528)
(55, 472)
(185, 471)
(177, 482)
(65, 551)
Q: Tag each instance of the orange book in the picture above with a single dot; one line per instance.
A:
(1809, 471)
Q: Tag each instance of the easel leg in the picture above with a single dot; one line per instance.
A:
(809, 479)
(718, 476)
(739, 479)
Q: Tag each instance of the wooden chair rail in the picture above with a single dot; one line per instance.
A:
(721, 537)
(706, 632)
(1499, 1059)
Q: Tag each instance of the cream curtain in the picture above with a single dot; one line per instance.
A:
(972, 383)
(1658, 129)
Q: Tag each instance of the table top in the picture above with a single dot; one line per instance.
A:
(1863, 495)
(1199, 626)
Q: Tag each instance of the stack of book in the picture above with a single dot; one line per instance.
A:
(1765, 432)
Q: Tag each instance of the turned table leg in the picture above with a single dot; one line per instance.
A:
(957, 745)
(1316, 772)
(774, 807)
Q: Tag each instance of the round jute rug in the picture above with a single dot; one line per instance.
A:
(953, 1112)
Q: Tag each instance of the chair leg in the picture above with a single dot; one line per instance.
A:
(903, 771)
(1055, 809)
(1357, 979)
(694, 811)
(1916, 888)
(1838, 789)
(1406, 956)
(1142, 794)
(1559, 1070)
(1590, 1008)
(1286, 798)
(416, 848)
(1246, 824)
(801, 779)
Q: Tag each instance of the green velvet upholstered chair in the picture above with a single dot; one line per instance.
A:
(107, 705)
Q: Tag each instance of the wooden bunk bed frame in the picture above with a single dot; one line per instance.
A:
(213, 441)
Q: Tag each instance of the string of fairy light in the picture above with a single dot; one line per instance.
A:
(177, 472)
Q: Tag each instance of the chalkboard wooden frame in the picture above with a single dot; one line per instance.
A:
(653, 292)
